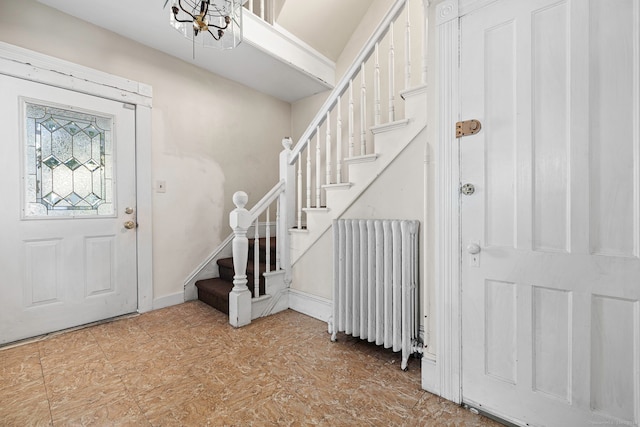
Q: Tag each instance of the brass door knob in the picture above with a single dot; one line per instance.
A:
(129, 225)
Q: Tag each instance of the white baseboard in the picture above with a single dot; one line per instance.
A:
(168, 300)
(317, 307)
(430, 375)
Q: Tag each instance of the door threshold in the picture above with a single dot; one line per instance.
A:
(474, 409)
(46, 336)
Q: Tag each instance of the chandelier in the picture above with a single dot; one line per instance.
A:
(211, 23)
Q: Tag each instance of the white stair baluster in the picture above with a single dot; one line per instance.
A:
(339, 144)
(392, 86)
(256, 261)
(425, 39)
(407, 52)
(376, 87)
(278, 241)
(308, 173)
(327, 154)
(351, 142)
(299, 194)
(262, 9)
(363, 112)
(267, 235)
(272, 11)
(251, 6)
(318, 166)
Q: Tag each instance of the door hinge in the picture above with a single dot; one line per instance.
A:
(467, 127)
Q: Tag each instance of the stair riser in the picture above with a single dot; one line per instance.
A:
(227, 274)
(217, 302)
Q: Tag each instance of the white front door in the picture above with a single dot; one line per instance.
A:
(67, 189)
(550, 303)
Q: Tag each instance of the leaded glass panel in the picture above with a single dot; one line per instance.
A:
(68, 163)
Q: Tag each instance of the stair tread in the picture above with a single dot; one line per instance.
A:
(228, 263)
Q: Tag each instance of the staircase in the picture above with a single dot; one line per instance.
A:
(347, 146)
(215, 291)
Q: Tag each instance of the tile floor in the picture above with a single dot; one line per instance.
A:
(184, 365)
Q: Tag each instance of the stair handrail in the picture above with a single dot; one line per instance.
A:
(267, 200)
(343, 84)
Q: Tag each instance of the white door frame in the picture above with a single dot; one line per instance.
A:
(445, 376)
(29, 65)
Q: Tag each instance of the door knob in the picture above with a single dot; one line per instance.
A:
(473, 248)
(468, 189)
(129, 225)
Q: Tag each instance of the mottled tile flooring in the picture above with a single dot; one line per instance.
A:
(184, 365)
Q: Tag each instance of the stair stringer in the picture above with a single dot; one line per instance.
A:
(276, 296)
(390, 140)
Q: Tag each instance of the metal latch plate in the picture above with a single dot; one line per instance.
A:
(467, 127)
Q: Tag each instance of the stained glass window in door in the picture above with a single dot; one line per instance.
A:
(69, 163)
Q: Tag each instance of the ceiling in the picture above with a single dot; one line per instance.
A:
(247, 64)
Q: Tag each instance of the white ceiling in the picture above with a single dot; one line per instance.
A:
(247, 64)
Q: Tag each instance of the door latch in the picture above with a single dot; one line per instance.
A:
(467, 127)
(468, 189)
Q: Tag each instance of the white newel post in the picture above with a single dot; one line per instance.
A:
(240, 296)
(287, 207)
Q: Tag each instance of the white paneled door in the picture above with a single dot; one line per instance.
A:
(68, 246)
(551, 235)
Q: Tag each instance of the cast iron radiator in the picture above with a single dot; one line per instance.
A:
(375, 283)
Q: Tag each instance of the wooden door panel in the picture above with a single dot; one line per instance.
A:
(550, 304)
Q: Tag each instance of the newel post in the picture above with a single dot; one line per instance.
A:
(240, 296)
(287, 202)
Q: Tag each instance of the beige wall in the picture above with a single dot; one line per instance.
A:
(204, 150)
